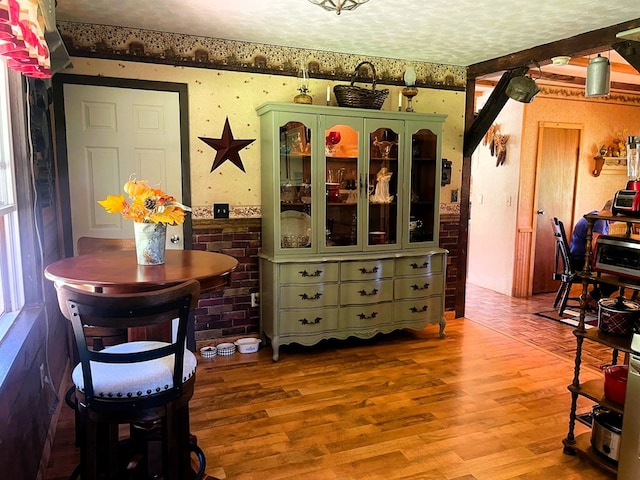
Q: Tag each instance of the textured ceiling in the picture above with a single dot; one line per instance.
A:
(454, 32)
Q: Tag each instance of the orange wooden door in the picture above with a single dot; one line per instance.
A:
(558, 153)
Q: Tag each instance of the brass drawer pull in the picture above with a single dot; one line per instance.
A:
(418, 287)
(418, 310)
(304, 296)
(364, 271)
(304, 273)
(363, 316)
(365, 294)
(315, 321)
(416, 266)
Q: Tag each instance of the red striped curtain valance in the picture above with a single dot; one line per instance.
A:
(22, 38)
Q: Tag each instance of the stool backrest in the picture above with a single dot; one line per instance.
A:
(126, 310)
(99, 245)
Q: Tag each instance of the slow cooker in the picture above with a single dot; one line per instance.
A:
(606, 432)
(617, 315)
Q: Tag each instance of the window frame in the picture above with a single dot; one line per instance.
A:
(23, 255)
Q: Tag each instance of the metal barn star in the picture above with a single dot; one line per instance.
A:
(227, 147)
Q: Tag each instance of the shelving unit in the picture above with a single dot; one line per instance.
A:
(359, 256)
(594, 389)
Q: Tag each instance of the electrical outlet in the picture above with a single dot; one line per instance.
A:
(454, 195)
(220, 210)
(255, 299)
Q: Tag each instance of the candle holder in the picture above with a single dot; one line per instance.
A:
(409, 93)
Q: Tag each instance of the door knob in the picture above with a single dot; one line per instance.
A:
(540, 212)
(175, 239)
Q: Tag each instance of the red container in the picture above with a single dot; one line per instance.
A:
(615, 382)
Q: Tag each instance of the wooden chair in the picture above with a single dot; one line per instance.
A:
(145, 384)
(563, 270)
(98, 245)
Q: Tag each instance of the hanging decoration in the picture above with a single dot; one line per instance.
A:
(497, 143)
(598, 81)
(22, 38)
(228, 148)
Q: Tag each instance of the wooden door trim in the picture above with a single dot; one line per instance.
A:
(62, 159)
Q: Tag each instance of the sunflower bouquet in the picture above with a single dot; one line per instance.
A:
(146, 204)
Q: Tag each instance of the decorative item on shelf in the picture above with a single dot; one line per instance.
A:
(358, 97)
(303, 86)
(522, 88)
(598, 81)
(338, 5)
(410, 91)
(331, 141)
(381, 193)
(151, 211)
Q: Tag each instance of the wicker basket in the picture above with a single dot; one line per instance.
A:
(357, 97)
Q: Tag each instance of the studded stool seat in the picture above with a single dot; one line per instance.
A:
(145, 385)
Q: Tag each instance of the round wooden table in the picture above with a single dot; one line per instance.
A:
(119, 271)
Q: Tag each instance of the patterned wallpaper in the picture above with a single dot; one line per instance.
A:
(103, 41)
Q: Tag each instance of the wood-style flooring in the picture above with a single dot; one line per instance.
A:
(487, 402)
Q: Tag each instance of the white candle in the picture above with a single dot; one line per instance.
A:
(328, 94)
(399, 100)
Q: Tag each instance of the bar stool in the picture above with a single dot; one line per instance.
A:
(146, 385)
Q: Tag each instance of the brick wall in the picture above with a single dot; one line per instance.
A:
(227, 311)
(449, 225)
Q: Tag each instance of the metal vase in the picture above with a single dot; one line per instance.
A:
(150, 242)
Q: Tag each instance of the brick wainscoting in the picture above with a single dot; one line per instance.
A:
(449, 225)
(227, 311)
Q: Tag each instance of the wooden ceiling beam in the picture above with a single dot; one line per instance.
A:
(583, 44)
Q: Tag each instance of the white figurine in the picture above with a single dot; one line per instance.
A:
(381, 194)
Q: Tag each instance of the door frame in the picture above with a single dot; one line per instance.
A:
(534, 217)
(62, 160)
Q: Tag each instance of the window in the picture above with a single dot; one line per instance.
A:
(11, 286)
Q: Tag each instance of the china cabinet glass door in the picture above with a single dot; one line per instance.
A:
(342, 183)
(424, 186)
(295, 186)
(383, 181)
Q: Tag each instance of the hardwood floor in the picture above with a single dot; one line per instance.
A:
(487, 402)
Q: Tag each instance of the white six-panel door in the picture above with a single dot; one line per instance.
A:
(112, 133)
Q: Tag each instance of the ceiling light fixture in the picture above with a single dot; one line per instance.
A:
(338, 5)
(522, 88)
(598, 81)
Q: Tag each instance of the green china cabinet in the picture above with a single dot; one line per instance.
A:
(350, 220)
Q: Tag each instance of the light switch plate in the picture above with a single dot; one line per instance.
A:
(220, 210)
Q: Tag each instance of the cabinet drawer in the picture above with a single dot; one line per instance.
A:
(359, 293)
(423, 264)
(426, 309)
(366, 270)
(309, 296)
(309, 272)
(308, 320)
(417, 287)
(359, 316)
